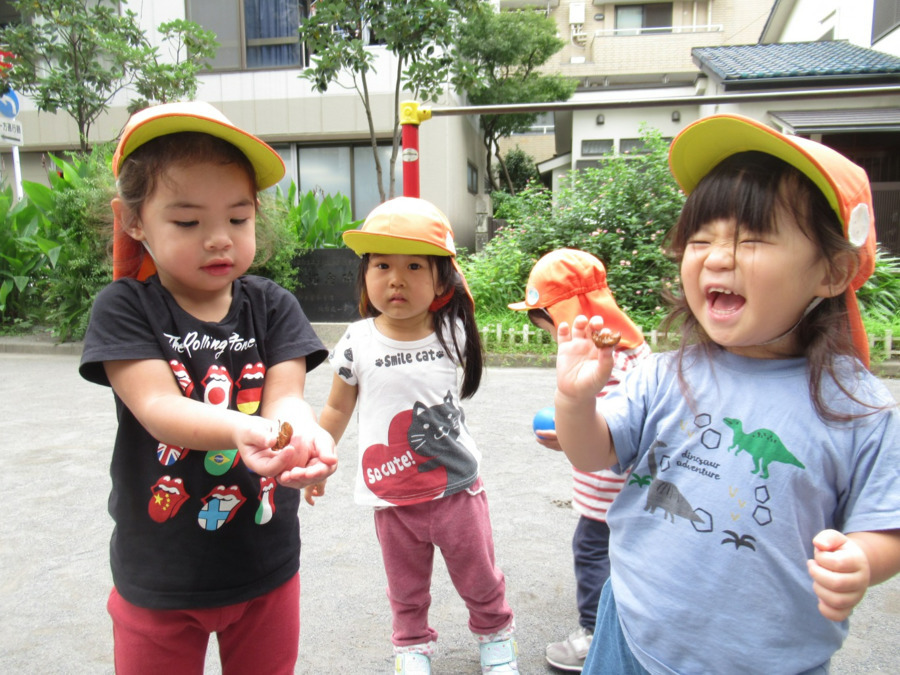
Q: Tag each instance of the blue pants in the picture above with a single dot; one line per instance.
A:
(613, 657)
(610, 654)
(590, 549)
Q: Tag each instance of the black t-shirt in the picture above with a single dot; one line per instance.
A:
(198, 529)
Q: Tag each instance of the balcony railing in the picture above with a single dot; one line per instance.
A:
(659, 30)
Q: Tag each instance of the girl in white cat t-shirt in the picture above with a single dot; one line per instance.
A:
(418, 466)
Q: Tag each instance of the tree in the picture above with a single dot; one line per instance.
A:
(520, 169)
(190, 48)
(500, 56)
(76, 55)
(418, 32)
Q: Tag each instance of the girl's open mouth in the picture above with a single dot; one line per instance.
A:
(723, 301)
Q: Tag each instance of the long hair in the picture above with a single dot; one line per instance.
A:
(459, 308)
(750, 189)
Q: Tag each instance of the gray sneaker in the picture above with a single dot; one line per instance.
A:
(571, 652)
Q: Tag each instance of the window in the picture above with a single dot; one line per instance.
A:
(544, 123)
(639, 19)
(252, 34)
(632, 146)
(472, 178)
(885, 18)
(365, 181)
(348, 169)
(595, 147)
(635, 146)
(8, 13)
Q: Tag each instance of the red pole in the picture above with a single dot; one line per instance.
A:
(410, 155)
(410, 118)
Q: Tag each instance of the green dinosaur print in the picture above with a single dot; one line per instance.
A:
(763, 445)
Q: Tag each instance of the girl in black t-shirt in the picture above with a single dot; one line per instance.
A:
(205, 364)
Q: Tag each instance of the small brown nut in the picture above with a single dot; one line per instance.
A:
(605, 338)
(284, 436)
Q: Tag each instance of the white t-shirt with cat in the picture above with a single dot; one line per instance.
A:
(413, 442)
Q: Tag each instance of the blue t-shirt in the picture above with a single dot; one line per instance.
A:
(729, 484)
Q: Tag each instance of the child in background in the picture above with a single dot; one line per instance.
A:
(563, 284)
(418, 464)
(202, 360)
(767, 453)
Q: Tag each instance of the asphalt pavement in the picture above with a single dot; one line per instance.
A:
(56, 436)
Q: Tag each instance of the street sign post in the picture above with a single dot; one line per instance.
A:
(11, 134)
(10, 131)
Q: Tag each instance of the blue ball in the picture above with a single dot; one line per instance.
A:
(544, 419)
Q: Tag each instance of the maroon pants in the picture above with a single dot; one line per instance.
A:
(460, 526)
(258, 636)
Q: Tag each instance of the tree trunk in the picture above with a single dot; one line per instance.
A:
(506, 177)
(379, 174)
(488, 155)
(395, 141)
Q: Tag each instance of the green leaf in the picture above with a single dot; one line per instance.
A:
(5, 289)
(39, 194)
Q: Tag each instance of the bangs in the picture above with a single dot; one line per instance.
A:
(748, 189)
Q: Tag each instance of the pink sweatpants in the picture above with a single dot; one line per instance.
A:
(258, 636)
(460, 526)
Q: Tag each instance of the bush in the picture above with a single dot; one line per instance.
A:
(289, 226)
(77, 202)
(55, 243)
(28, 254)
(879, 297)
(620, 212)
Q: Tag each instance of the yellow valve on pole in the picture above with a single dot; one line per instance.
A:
(411, 116)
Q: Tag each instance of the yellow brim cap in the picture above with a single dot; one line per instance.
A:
(405, 226)
(171, 118)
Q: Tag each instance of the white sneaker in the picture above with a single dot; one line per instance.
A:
(412, 664)
(499, 657)
(571, 652)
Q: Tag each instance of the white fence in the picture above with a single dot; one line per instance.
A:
(883, 347)
(526, 334)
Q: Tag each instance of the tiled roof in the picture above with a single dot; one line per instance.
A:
(815, 121)
(794, 60)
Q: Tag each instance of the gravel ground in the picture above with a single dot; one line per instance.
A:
(56, 437)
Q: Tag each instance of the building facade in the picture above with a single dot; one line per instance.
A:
(323, 138)
(825, 69)
(632, 49)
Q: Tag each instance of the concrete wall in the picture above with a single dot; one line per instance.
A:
(593, 48)
(849, 20)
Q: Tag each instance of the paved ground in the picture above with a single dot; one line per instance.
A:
(54, 575)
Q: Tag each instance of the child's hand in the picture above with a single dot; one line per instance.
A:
(840, 573)
(582, 369)
(315, 459)
(310, 492)
(548, 438)
(255, 438)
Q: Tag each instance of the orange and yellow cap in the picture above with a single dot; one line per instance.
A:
(568, 282)
(404, 225)
(702, 145)
(173, 118)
